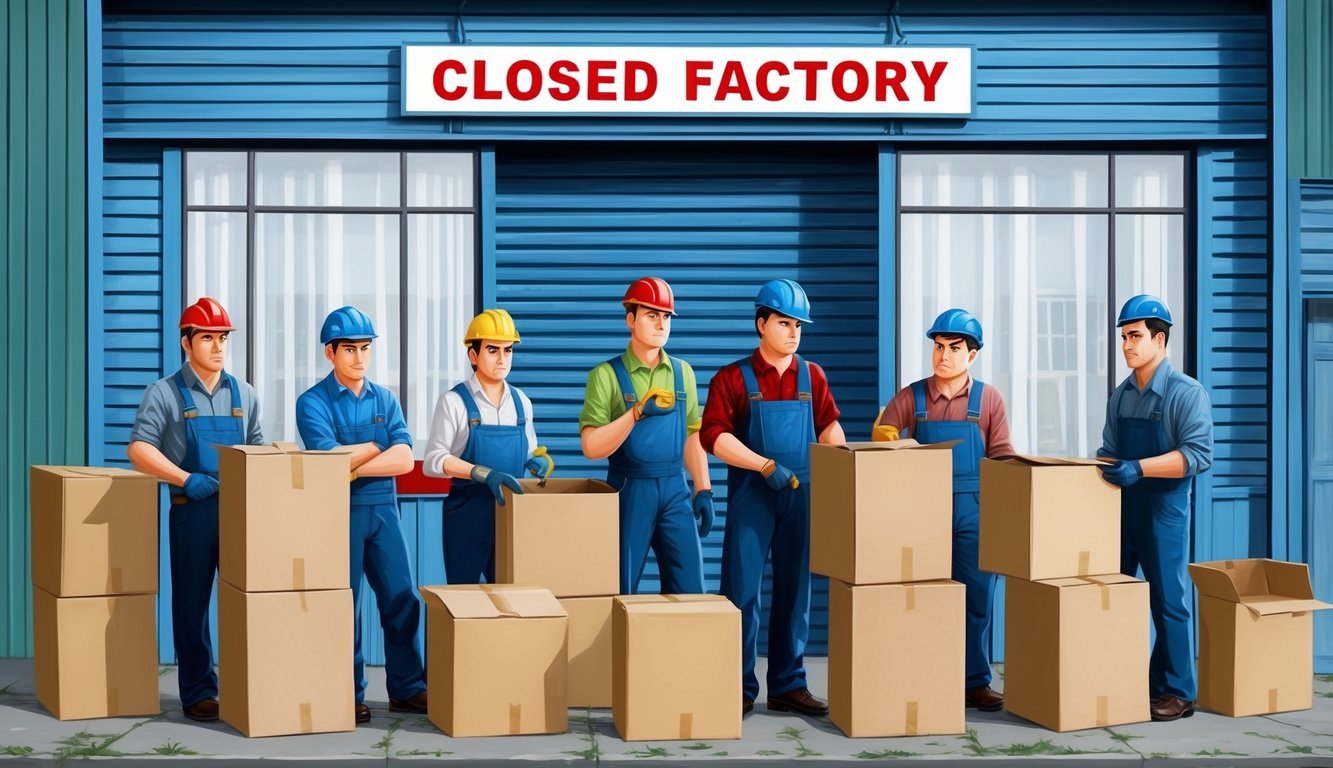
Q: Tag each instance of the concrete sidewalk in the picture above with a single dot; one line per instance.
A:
(30, 736)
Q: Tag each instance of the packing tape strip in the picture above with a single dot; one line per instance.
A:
(1106, 596)
(307, 719)
(686, 725)
(298, 472)
(911, 597)
(515, 719)
(908, 565)
(298, 573)
(1103, 705)
(117, 580)
(1084, 562)
(1272, 700)
(305, 606)
(913, 716)
(1229, 565)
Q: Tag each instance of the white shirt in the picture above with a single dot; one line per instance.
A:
(449, 430)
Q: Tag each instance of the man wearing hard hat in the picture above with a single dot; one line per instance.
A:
(763, 413)
(482, 436)
(180, 420)
(346, 410)
(1159, 432)
(641, 410)
(951, 405)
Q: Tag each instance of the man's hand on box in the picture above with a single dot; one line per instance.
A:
(497, 481)
(1124, 473)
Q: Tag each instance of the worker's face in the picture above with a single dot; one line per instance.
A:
(649, 327)
(206, 349)
(1139, 346)
(350, 360)
(950, 357)
(494, 359)
(779, 335)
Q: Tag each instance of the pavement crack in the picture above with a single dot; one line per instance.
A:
(1126, 738)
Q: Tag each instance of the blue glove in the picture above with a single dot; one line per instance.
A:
(541, 465)
(704, 511)
(1124, 473)
(497, 481)
(199, 486)
(779, 477)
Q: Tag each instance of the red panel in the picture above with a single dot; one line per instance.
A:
(416, 483)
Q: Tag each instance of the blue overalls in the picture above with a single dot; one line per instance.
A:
(655, 511)
(760, 520)
(967, 455)
(194, 543)
(469, 510)
(1154, 534)
(379, 552)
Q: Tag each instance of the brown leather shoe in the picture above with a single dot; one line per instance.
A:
(800, 701)
(362, 713)
(203, 711)
(747, 705)
(984, 698)
(1168, 707)
(415, 704)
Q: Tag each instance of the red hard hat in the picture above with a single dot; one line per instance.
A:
(651, 292)
(206, 315)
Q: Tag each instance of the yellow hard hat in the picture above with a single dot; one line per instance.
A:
(492, 324)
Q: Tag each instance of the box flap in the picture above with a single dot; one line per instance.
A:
(487, 601)
(893, 445)
(279, 449)
(1051, 461)
(1213, 580)
(1267, 605)
(78, 472)
(1288, 579)
(676, 603)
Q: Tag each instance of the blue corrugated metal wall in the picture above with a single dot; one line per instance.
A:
(575, 225)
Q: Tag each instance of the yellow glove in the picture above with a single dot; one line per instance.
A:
(655, 402)
(541, 464)
(884, 433)
(351, 476)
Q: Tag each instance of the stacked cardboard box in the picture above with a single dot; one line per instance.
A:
(284, 606)
(881, 526)
(94, 575)
(564, 535)
(1256, 636)
(1076, 640)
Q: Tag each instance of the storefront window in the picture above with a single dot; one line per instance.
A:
(283, 238)
(1032, 245)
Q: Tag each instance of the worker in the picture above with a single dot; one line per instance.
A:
(346, 410)
(1159, 433)
(763, 413)
(180, 420)
(482, 436)
(641, 410)
(951, 405)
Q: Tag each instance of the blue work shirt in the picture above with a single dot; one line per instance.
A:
(314, 413)
(1187, 415)
(161, 423)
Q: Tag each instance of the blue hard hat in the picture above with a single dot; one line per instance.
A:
(785, 297)
(1143, 307)
(346, 323)
(956, 322)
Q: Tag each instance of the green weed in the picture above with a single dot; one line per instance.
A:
(172, 748)
(649, 751)
(887, 754)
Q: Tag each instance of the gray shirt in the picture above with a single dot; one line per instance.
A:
(160, 423)
(1187, 415)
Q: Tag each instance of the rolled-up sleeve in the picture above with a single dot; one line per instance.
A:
(150, 421)
(446, 426)
(1193, 416)
(721, 406)
(314, 422)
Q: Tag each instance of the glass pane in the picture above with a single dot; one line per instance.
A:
(215, 178)
(1149, 181)
(440, 304)
(439, 180)
(332, 179)
(215, 266)
(1150, 258)
(307, 265)
(1038, 284)
(1019, 181)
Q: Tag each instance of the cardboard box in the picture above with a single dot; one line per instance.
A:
(676, 667)
(285, 661)
(896, 661)
(1076, 651)
(564, 537)
(589, 650)
(283, 518)
(881, 513)
(94, 531)
(497, 660)
(1256, 636)
(95, 656)
(1047, 518)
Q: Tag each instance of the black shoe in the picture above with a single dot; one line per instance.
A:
(984, 698)
(747, 706)
(362, 714)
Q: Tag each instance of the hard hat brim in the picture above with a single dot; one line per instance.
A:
(208, 327)
(645, 304)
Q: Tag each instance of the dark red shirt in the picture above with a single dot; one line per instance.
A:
(728, 407)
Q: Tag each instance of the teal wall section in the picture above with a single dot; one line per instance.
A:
(1310, 88)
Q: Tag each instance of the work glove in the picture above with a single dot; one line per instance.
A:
(1124, 473)
(199, 486)
(497, 481)
(884, 433)
(704, 512)
(655, 402)
(779, 477)
(541, 465)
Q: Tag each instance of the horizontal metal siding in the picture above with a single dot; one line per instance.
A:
(1131, 72)
(576, 224)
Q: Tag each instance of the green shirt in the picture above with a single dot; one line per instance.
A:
(602, 401)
